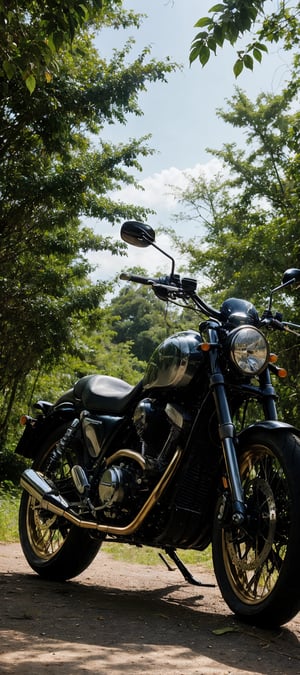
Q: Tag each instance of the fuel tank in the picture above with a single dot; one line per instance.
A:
(175, 361)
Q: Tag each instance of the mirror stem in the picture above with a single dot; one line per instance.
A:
(167, 256)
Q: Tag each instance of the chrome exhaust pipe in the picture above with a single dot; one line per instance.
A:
(40, 489)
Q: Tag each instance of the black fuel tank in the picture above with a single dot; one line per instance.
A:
(175, 361)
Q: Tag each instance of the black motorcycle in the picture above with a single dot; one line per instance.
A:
(172, 462)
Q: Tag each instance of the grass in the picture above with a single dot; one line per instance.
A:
(145, 555)
(9, 508)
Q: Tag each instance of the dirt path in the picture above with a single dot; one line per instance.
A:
(122, 618)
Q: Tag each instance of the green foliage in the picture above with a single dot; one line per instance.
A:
(56, 170)
(11, 467)
(141, 319)
(9, 507)
(33, 34)
(90, 350)
(232, 19)
(250, 218)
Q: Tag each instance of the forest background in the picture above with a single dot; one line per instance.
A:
(57, 94)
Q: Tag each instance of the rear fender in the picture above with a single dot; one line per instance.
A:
(265, 427)
(36, 430)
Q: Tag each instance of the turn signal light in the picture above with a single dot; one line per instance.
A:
(282, 372)
(205, 346)
(273, 358)
(24, 419)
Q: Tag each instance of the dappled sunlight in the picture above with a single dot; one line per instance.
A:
(120, 617)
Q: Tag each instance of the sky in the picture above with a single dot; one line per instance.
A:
(180, 115)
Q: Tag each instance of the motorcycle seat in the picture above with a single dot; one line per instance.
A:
(103, 393)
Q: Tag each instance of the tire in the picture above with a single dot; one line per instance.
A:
(54, 548)
(257, 565)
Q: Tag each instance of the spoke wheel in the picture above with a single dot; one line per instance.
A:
(256, 565)
(253, 555)
(52, 546)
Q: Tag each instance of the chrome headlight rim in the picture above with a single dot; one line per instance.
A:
(249, 350)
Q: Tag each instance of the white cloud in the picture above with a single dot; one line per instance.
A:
(156, 194)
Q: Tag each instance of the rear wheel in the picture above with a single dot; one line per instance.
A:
(257, 565)
(54, 548)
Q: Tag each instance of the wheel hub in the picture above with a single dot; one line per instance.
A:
(250, 546)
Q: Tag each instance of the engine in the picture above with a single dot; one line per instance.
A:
(130, 475)
(152, 426)
(119, 487)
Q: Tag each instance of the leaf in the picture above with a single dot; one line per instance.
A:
(48, 76)
(217, 8)
(205, 21)
(50, 44)
(227, 629)
(194, 53)
(238, 67)
(219, 35)
(257, 54)
(9, 69)
(204, 54)
(248, 61)
(211, 43)
(30, 83)
(261, 46)
(200, 36)
(84, 12)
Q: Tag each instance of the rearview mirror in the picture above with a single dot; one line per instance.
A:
(137, 234)
(291, 275)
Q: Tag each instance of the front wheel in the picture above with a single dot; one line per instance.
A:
(257, 565)
(54, 548)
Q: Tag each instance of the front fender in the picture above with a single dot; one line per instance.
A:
(266, 426)
(38, 429)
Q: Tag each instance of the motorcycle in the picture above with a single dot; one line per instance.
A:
(172, 463)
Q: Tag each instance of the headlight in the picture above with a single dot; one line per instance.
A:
(249, 350)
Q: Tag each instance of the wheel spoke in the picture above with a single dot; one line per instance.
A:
(255, 554)
(47, 531)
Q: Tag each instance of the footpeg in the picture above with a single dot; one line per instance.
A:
(80, 479)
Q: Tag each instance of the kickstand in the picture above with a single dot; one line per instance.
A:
(182, 568)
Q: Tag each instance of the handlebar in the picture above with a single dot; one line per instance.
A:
(172, 287)
(137, 279)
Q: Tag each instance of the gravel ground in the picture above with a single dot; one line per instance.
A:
(127, 618)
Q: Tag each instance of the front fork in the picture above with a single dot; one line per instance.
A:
(227, 435)
(226, 428)
(226, 431)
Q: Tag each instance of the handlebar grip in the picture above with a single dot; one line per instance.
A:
(136, 278)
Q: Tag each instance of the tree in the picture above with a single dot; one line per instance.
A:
(250, 210)
(232, 19)
(141, 320)
(250, 218)
(52, 174)
(34, 33)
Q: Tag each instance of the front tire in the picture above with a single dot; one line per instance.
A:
(54, 548)
(257, 565)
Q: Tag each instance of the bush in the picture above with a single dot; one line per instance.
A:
(9, 507)
(11, 467)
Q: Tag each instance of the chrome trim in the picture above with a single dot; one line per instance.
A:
(131, 454)
(38, 487)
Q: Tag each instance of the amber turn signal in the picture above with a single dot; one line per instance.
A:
(23, 420)
(282, 372)
(205, 347)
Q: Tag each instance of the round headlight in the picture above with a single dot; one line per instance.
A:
(249, 350)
